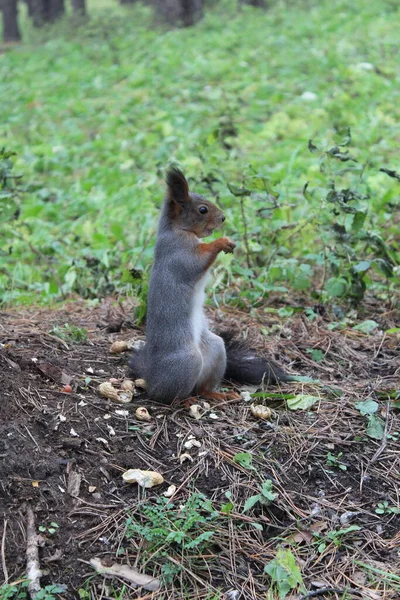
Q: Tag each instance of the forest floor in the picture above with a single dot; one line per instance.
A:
(312, 493)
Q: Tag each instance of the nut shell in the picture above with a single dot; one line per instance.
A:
(127, 385)
(119, 346)
(142, 414)
(170, 491)
(107, 390)
(141, 383)
(259, 411)
(146, 479)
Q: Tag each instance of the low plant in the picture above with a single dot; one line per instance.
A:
(173, 531)
(70, 333)
(264, 497)
(19, 591)
(336, 537)
(385, 508)
(285, 574)
(334, 461)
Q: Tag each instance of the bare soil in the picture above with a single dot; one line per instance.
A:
(62, 453)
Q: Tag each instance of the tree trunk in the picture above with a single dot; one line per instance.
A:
(38, 10)
(56, 9)
(29, 5)
(79, 7)
(10, 21)
(192, 11)
(179, 12)
(45, 11)
(258, 3)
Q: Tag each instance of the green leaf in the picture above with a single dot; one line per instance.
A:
(358, 221)
(336, 287)
(316, 354)
(244, 459)
(367, 407)
(302, 402)
(304, 379)
(375, 428)
(366, 326)
(362, 266)
(236, 191)
(284, 572)
(341, 532)
(384, 266)
(250, 502)
(226, 508)
(267, 492)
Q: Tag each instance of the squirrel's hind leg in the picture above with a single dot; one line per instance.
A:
(212, 348)
(173, 376)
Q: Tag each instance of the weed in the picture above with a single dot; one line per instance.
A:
(93, 159)
(175, 531)
(384, 508)
(50, 529)
(284, 573)
(245, 460)
(70, 333)
(334, 461)
(265, 497)
(20, 591)
(335, 537)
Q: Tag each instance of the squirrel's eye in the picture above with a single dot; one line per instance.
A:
(203, 210)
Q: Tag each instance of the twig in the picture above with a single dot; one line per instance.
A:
(245, 232)
(193, 575)
(330, 590)
(3, 552)
(33, 571)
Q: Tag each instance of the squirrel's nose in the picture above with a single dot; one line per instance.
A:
(223, 218)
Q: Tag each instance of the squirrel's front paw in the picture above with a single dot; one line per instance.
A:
(227, 245)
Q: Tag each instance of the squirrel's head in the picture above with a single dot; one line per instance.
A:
(190, 212)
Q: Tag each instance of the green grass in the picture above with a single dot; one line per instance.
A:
(95, 114)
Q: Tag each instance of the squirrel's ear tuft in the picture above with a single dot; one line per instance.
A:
(178, 188)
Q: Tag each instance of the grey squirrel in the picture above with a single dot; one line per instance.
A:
(182, 357)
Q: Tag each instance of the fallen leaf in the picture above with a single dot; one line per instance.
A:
(54, 372)
(302, 402)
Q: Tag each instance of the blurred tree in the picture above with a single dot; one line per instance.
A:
(45, 11)
(9, 11)
(259, 3)
(126, 1)
(179, 12)
(57, 9)
(79, 7)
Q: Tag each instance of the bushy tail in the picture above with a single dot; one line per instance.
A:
(244, 365)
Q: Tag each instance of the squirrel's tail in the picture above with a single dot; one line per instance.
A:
(244, 365)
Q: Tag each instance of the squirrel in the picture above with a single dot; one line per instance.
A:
(182, 358)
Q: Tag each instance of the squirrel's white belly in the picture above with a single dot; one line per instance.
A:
(199, 322)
